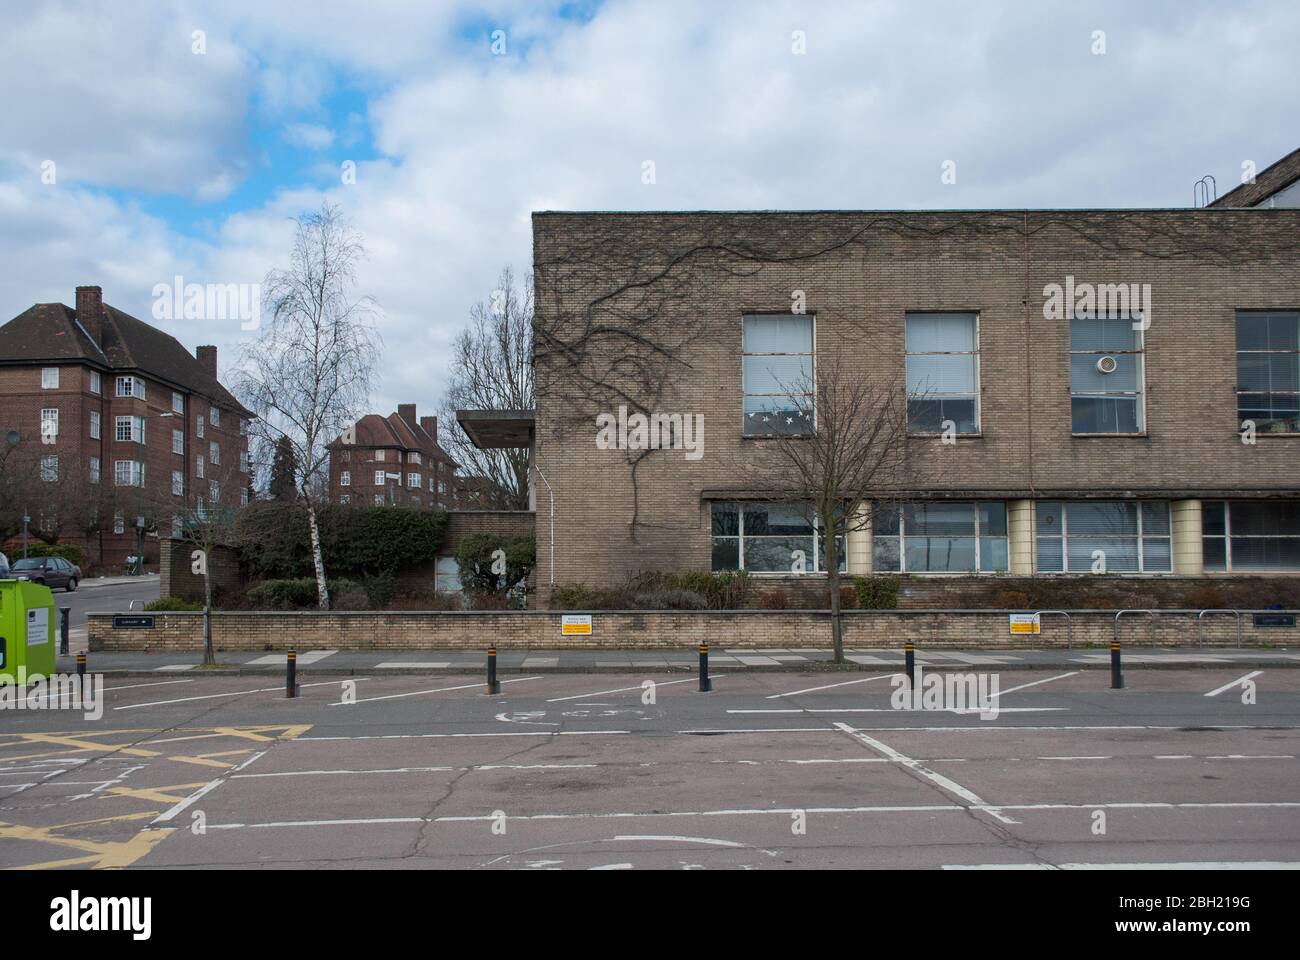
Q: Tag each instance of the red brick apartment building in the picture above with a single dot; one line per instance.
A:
(105, 419)
(1164, 434)
(392, 460)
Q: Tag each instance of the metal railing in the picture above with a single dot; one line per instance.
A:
(1200, 623)
(1154, 614)
(1069, 626)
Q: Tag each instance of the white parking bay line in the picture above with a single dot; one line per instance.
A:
(601, 693)
(155, 683)
(937, 779)
(828, 686)
(175, 667)
(310, 656)
(1024, 686)
(234, 693)
(416, 693)
(1184, 865)
(1235, 683)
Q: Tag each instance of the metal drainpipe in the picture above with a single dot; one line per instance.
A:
(550, 493)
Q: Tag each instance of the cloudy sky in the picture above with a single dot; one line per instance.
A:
(173, 152)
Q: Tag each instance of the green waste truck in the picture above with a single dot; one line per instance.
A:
(29, 622)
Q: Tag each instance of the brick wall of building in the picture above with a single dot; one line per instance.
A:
(176, 576)
(1202, 265)
(680, 631)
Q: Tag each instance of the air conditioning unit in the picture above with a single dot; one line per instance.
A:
(1107, 364)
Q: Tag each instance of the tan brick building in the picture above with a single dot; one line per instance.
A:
(107, 419)
(1162, 432)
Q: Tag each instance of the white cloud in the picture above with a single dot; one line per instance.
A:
(309, 135)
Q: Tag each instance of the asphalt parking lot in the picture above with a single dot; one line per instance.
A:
(770, 770)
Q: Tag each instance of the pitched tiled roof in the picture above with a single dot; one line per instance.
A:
(392, 431)
(49, 332)
(1269, 181)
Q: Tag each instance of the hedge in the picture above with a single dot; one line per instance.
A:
(70, 552)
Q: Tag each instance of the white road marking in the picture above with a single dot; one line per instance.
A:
(601, 693)
(709, 841)
(175, 667)
(1235, 683)
(411, 664)
(1184, 865)
(957, 710)
(417, 693)
(1023, 686)
(236, 693)
(938, 779)
(440, 736)
(394, 770)
(205, 789)
(829, 686)
(784, 812)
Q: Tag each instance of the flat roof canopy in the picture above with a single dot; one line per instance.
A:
(498, 429)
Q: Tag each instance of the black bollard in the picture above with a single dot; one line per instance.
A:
(65, 615)
(705, 683)
(291, 674)
(909, 661)
(81, 664)
(1116, 672)
(493, 684)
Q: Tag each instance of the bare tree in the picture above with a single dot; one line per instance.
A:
(308, 376)
(856, 452)
(492, 369)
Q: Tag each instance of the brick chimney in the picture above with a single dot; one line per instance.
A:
(90, 313)
(207, 357)
(430, 425)
(407, 412)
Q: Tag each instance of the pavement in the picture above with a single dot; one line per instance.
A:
(347, 662)
(1191, 767)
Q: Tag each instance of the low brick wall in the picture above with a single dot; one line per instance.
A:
(758, 629)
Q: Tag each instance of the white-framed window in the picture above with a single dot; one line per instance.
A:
(96, 382)
(214, 489)
(413, 481)
(940, 537)
(1107, 376)
(178, 402)
(777, 371)
(50, 469)
(1102, 536)
(94, 469)
(243, 461)
(380, 454)
(216, 417)
(49, 378)
(442, 487)
(214, 452)
(119, 522)
(178, 527)
(943, 372)
(49, 424)
(345, 478)
(198, 428)
(178, 442)
(178, 483)
(345, 499)
(413, 456)
(432, 486)
(130, 387)
(379, 478)
(769, 538)
(243, 496)
(379, 500)
(1250, 535)
(1268, 370)
(95, 427)
(128, 473)
(129, 429)
(198, 466)
(446, 575)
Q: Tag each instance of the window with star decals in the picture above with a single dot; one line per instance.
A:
(777, 372)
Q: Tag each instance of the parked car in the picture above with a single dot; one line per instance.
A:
(51, 571)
